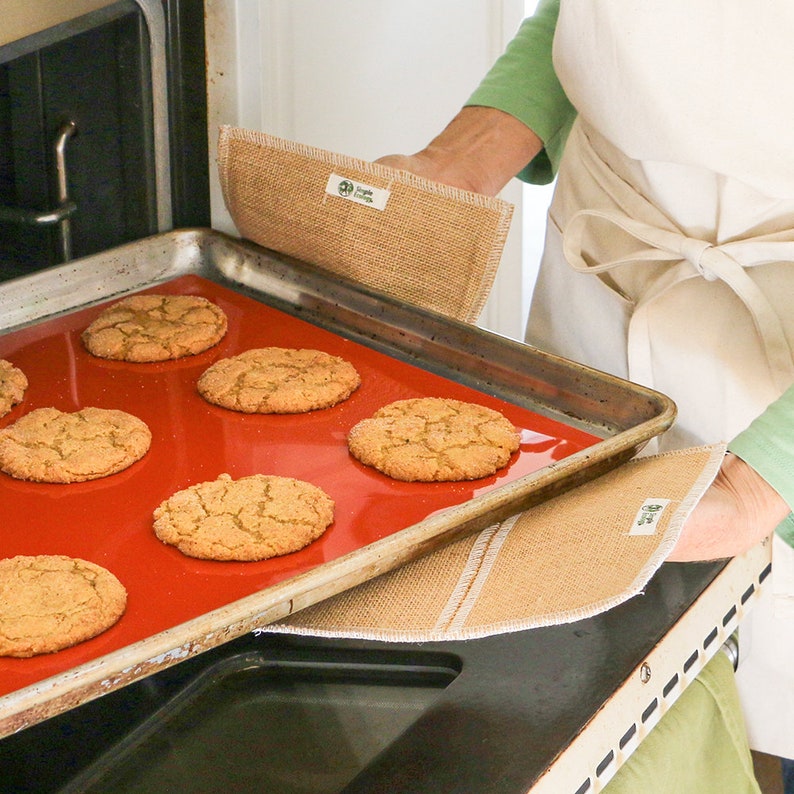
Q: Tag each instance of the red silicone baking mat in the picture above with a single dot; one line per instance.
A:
(108, 521)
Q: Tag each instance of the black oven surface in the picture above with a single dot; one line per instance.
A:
(298, 721)
(351, 716)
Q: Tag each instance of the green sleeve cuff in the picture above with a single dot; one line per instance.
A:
(522, 83)
(768, 446)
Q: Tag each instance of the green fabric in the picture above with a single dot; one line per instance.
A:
(522, 83)
(768, 446)
(786, 530)
(700, 747)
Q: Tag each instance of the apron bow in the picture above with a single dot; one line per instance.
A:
(690, 258)
(694, 251)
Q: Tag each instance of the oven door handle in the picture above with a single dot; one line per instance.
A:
(66, 131)
(25, 217)
(66, 207)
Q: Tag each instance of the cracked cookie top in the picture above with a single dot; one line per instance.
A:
(278, 380)
(145, 328)
(51, 602)
(47, 445)
(12, 386)
(252, 518)
(429, 439)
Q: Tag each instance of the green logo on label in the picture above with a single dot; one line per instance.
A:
(345, 188)
(648, 514)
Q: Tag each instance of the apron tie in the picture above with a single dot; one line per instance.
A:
(693, 251)
(690, 258)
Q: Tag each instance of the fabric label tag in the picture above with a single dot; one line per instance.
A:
(357, 191)
(648, 517)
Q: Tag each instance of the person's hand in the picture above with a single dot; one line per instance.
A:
(737, 511)
(436, 169)
(480, 150)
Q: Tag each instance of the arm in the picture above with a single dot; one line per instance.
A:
(753, 492)
(518, 115)
(480, 150)
(738, 510)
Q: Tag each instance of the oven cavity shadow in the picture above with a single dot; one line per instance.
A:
(250, 722)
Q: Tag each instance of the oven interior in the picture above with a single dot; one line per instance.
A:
(256, 715)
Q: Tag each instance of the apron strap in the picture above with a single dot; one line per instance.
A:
(689, 258)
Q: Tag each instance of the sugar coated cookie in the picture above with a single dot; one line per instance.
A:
(48, 445)
(145, 328)
(252, 518)
(50, 602)
(12, 386)
(434, 439)
(277, 380)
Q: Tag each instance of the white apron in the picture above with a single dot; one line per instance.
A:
(670, 248)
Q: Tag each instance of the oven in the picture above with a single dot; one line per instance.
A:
(103, 134)
(103, 143)
(548, 710)
(319, 716)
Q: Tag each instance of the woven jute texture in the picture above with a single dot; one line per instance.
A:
(569, 558)
(430, 245)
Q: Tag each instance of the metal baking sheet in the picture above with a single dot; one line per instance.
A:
(576, 423)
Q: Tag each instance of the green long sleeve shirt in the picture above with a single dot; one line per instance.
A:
(522, 83)
(768, 446)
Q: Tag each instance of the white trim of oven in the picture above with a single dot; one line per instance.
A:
(594, 756)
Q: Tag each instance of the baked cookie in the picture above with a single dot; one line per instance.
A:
(430, 439)
(47, 445)
(252, 518)
(278, 380)
(145, 328)
(50, 602)
(12, 386)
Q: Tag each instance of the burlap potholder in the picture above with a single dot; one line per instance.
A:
(422, 242)
(572, 557)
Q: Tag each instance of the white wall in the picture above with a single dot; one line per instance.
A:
(364, 78)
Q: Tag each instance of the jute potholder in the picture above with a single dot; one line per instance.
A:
(572, 557)
(424, 243)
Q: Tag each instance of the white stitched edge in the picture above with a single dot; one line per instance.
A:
(479, 565)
